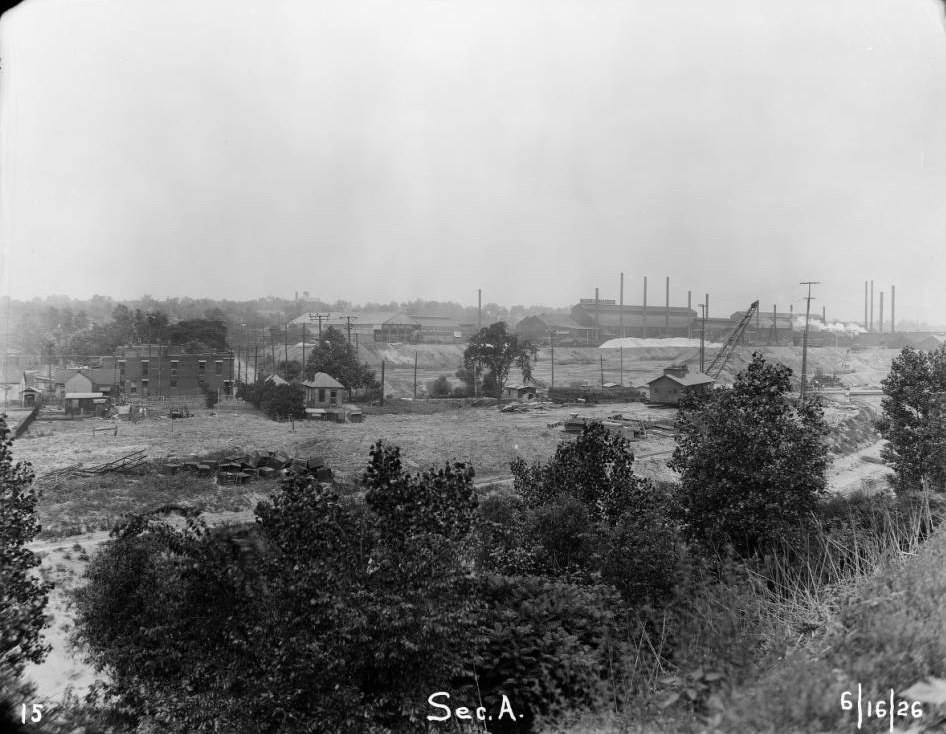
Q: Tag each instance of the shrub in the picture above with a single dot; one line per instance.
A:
(585, 514)
(549, 645)
(439, 388)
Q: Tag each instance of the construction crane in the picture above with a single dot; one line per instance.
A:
(722, 357)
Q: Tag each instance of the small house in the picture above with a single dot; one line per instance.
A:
(676, 382)
(323, 391)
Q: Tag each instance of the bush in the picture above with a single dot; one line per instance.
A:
(586, 515)
(439, 388)
(549, 646)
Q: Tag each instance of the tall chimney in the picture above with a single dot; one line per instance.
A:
(621, 309)
(871, 327)
(866, 326)
(690, 307)
(824, 319)
(597, 320)
(667, 312)
(707, 305)
(893, 305)
(881, 312)
(479, 308)
(644, 327)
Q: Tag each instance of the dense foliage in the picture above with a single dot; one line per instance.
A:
(279, 402)
(326, 612)
(494, 351)
(333, 355)
(584, 515)
(914, 418)
(23, 597)
(752, 463)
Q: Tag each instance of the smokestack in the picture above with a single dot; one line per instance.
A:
(690, 307)
(644, 327)
(667, 312)
(707, 305)
(865, 306)
(824, 319)
(881, 312)
(774, 324)
(893, 305)
(479, 308)
(871, 327)
(597, 320)
(621, 309)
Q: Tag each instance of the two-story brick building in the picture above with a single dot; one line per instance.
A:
(145, 370)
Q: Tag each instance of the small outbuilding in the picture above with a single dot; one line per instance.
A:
(323, 391)
(520, 392)
(676, 382)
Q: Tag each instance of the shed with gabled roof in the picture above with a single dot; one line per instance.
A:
(675, 382)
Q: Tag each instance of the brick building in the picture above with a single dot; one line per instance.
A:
(145, 370)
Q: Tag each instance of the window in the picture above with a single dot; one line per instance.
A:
(321, 394)
(121, 369)
(201, 366)
(173, 382)
(333, 400)
(144, 386)
(144, 367)
(133, 388)
(174, 364)
(218, 367)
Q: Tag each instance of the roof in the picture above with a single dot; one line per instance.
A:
(322, 380)
(697, 378)
(556, 321)
(611, 315)
(277, 380)
(364, 320)
(444, 322)
(81, 395)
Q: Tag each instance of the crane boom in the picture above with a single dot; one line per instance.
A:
(719, 361)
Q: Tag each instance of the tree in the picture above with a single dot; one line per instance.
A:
(752, 464)
(24, 597)
(913, 420)
(493, 348)
(587, 516)
(334, 356)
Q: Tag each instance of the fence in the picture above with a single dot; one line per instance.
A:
(25, 423)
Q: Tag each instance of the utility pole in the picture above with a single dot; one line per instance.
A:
(382, 383)
(804, 348)
(702, 336)
(286, 342)
(552, 349)
(621, 353)
(321, 317)
(415, 374)
(348, 321)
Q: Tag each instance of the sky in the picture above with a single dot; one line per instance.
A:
(379, 150)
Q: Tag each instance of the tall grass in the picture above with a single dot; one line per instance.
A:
(770, 643)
